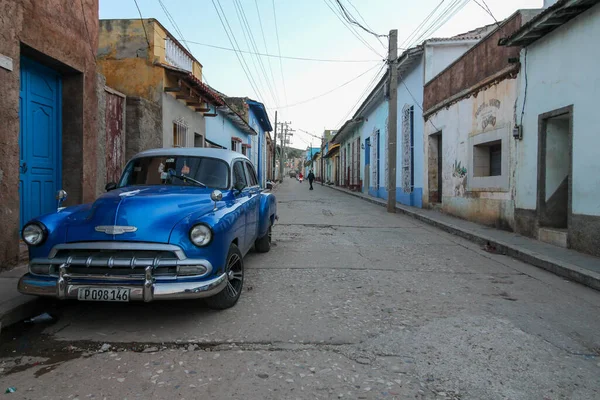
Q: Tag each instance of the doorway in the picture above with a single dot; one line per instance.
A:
(39, 139)
(554, 168)
(377, 161)
(435, 165)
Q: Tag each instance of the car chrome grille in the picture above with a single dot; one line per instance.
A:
(118, 263)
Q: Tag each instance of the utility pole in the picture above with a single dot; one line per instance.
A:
(274, 147)
(284, 133)
(392, 119)
(322, 159)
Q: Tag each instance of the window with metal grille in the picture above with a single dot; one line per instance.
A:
(180, 130)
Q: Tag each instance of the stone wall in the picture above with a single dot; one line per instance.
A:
(143, 126)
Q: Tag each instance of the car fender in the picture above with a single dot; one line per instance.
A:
(267, 213)
(227, 224)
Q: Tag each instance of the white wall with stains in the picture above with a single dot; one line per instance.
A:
(485, 118)
(562, 69)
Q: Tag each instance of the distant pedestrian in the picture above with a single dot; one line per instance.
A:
(300, 177)
(311, 178)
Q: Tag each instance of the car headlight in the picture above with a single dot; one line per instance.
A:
(34, 233)
(201, 235)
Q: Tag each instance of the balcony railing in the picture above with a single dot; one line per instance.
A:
(176, 56)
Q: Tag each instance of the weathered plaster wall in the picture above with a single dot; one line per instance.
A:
(555, 81)
(474, 121)
(220, 130)
(126, 60)
(143, 126)
(480, 62)
(101, 139)
(172, 110)
(54, 33)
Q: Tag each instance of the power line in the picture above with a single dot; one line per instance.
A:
(246, 28)
(266, 48)
(276, 56)
(487, 10)
(279, 51)
(415, 32)
(350, 28)
(330, 91)
(231, 41)
(368, 88)
(368, 26)
(350, 18)
(172, 20)
(445, 15)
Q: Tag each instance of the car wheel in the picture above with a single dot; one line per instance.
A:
(235, 281)
(263, 244)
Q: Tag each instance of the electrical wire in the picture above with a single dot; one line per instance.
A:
(350, 28)
(283, 57)
(415, 32)
(239, 56)
(444, 16)
(265, 43)
(487, 10)
(172, 20)
(368, 26)
(352, 20)
(250, 41)
(370, 86)
(329, 91)
(279, 52)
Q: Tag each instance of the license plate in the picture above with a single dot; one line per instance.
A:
(103, 294)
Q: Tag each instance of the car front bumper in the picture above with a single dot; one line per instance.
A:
(147, 289)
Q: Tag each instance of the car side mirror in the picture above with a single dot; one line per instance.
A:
(216, 196)
(61, 196)
(110, 186)
(239, 186)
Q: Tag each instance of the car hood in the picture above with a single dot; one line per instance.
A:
(142, 213)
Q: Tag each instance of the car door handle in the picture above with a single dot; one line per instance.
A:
(24, 167)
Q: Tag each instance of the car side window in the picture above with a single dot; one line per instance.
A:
(253, 181)
(239, 176)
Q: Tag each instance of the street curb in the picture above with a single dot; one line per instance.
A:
(560, 268)
(20, 309)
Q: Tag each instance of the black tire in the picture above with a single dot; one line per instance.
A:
(235, 281)
(263, 244)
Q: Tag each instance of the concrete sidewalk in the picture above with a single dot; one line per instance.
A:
(567, 263)
(14, 306)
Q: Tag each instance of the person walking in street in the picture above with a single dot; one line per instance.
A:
(300, 177)
(311, 178)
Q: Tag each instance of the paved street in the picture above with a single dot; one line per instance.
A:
(351, 302)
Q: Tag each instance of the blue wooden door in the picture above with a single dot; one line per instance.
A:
(39, 140)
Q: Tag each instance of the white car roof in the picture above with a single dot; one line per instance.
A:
(225, 155)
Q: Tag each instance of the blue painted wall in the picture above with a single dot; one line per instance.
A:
(220, 130)
(375, 119)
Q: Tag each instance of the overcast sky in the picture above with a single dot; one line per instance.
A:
(307, 29)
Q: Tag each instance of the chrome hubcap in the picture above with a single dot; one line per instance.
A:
(235, 275)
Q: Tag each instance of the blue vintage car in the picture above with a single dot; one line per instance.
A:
(176, 226)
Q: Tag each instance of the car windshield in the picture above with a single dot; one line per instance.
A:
(177, 170)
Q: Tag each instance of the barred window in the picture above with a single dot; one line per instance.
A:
(180, 130)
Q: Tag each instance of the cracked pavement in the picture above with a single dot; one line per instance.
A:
(351, 302)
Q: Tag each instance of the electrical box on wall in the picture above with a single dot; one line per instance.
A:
(518, 132)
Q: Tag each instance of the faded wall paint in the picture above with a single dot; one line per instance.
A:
(476, 121)
(115, 135)
(176, 110)
(220, 130)
(143, 126)
(479, 63)
(52, 32)
(554, 81)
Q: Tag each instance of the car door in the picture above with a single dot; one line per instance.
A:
(242, 198)
(253, 203)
